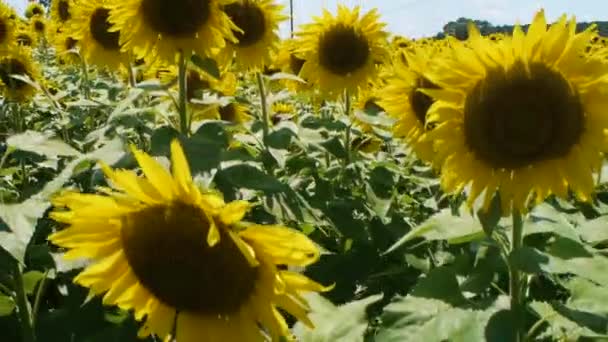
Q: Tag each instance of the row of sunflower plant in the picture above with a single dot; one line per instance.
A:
(173, 170)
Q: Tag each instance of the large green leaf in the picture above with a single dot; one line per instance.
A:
(561, 327)
(587, 296)
(20, 220)
(595, 231)
(445, 226)
(41, 143)
(7, 305)
(345, 323)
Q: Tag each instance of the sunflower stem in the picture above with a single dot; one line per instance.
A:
(183, 95)
(23, 306)
(515, 277)
(347, 137)
(265, 119)
(85, 78)
(38, 299)
(132, 80)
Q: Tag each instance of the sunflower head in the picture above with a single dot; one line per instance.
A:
(257, 33)
(38, 25)
(33, 9)
(18, 61)
(99, 40)
(523, 116)
(7, 25)
(61, 10)
(65, 46)
(220, 268)
(341, 51)
(166, 27)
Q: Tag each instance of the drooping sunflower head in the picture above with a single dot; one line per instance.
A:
(341, 51)
(165, 27)
(65, 48)
(524, 117)
(405, 99)
(34, 8)
(7, 25)
(286, 60)
(61, 10)
(367, 101)
(38, 25)
(24, 37)
(182, 258)
(99, 41)
(17, 61)
(258, 23)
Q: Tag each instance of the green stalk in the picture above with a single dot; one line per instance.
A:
(23, 306)
(265, 119)
(515, 276)
(347, 137)
(85, 78)
(183, 95)
(38, 299)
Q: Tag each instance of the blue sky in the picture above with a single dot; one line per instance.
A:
(416, 18)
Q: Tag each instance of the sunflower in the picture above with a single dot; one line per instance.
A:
(65, 47)
(99, 43)
(367, 101)
(24, 37)
(404, 99)
(177, 255)
(18, 61)
(165, 27)
(38, 25)
(61, 11)
(340, 52)
(7, 26)
(258, 21)
(524, 117)
(34, 8)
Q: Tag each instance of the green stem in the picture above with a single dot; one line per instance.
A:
(23, 306)
(132, 81)
(183, 93)
(515, 276)
(85, 78)
(347, 137)
(265, 119)
(38, 299)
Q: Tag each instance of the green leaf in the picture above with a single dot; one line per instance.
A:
(546, 219)
(7, 305)
(559, 326)
(444, 226)
(419, 319)
(531, 260)
(30, 280)
(335, 147)
(285, 76)
(439, 284)
(375, 120)
(587, 296)
(595, 231)
(250, 177)
(21, 220)
(42, 144)
(209, 65)
(345, 323)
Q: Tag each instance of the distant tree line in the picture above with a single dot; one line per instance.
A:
(458, 28)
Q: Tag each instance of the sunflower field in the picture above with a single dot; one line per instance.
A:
(174, 170)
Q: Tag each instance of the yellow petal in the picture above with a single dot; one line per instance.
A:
(234, 212)
(180, 168)
(155, 173)
(281, 244)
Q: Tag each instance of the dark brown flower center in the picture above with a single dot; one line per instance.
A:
(195, 84)
(100, 26)
(520, 116)
(178, 18)
(39, 26)
(63, 10)
(24, 39)
(70, 43)
(342, 50)
(3, 31)
(228, 112)
(249, 17)
(372, 107)
(37, 10)
(12, 66)
(420, 101)
(295, 64)
(166, 246)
